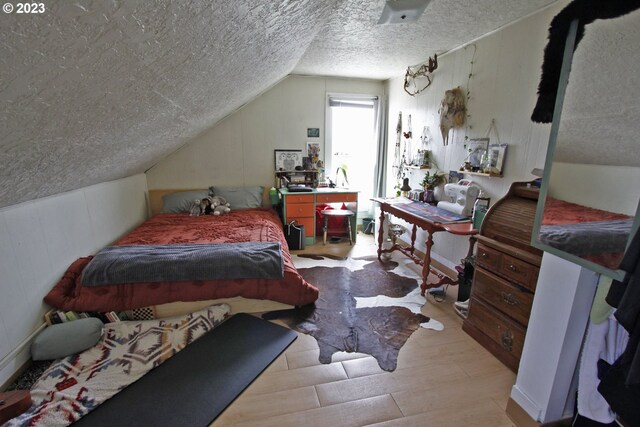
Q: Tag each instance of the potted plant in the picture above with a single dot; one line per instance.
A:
(430, 182)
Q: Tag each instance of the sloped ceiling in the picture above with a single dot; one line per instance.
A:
(93, 91)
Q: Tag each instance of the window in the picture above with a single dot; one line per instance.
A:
(351, 141)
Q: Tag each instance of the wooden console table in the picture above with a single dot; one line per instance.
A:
(399, 210)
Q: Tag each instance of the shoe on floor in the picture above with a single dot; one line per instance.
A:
(462, 312)
(462, 304)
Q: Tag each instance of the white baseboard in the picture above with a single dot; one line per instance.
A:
(17, 357)
(526, 403)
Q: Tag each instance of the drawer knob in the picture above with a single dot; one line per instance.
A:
(512, 267)
(507, 340)
(484, 255)
(509, 298)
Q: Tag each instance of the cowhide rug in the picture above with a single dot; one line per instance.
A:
(365, 306)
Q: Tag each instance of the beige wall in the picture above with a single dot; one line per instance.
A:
(239, 149)
(505, 74)
(612, 188)
(41, 238)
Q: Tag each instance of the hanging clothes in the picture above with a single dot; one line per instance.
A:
(605, 340)
(620, 385)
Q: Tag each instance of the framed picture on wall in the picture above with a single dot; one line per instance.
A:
(288, 160)
(477, 148)
(313, 132)
(495, 155)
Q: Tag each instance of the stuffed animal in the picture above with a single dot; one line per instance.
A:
(201, 207)
(220, 205)
(207, 205)
(195, 209)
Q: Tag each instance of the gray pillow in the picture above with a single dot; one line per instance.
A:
(64, 339)
(181, 201)
(240, 197)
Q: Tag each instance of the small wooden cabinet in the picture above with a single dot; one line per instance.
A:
(505, 276)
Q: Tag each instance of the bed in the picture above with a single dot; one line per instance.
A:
(592, 234)
(173, 298)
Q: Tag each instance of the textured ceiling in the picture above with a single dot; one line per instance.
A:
(352, 44)
(93, 91)
(600, 120)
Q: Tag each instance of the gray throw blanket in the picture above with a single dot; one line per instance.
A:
(588, 238)
(168, 263)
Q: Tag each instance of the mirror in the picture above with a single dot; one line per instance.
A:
(589, 199)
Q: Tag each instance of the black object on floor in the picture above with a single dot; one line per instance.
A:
(194, 386)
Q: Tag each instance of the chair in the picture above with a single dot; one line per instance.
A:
(344, 213)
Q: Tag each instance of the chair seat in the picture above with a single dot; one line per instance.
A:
(344, 213)
(337, 212)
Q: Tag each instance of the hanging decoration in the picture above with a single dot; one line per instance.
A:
(452, 112)
(423, 156)
(400, 156)
(408, 135)
(397, 160)
(413, 79)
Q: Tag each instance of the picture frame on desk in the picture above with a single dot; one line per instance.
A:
(287, 160)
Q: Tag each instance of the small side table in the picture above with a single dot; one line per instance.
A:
(344, 213)
(13, 403)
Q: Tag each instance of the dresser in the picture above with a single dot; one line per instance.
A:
(505, 277)
(301, 207)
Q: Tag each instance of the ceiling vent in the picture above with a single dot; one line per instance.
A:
(400, 11)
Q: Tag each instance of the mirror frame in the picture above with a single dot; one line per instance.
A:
(544, 188)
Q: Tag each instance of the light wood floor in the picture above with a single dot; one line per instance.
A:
(443, 379)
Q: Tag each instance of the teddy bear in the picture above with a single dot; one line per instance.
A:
(202, 206)
(207, 205)
(220, 205)
(196, 208)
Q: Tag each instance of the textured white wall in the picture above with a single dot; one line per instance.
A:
(41, 238)
(505, 75)
(239, 149)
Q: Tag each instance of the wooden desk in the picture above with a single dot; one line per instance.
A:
(301, 207)
(396, 209)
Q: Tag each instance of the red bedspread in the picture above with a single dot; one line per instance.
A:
(250, 225)
(558, 212)
(561, 212)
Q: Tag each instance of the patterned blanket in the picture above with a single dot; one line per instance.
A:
(74, 386)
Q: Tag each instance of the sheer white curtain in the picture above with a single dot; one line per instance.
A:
(380, 170)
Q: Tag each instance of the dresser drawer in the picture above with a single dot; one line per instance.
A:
(299, 198)
(507, 334)
(511, 300)
(488, 257)
(309, 224)
(300, 210)
(519, 271)
(336, 198)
